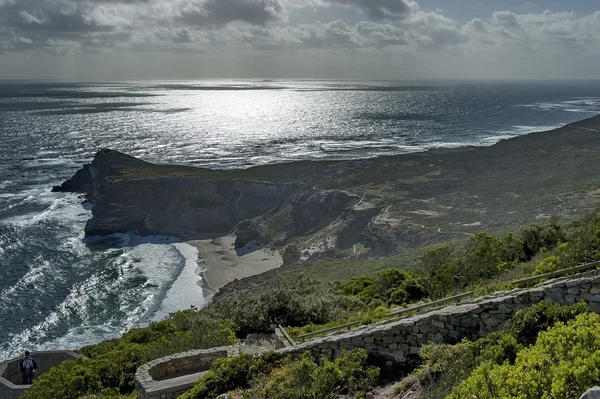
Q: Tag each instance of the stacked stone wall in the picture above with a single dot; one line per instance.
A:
(10, 375)
(154, 380)
(397, 340)
(400, 340)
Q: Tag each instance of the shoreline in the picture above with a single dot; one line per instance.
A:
(219, 263)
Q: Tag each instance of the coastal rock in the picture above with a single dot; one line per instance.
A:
(315, 210)
(129, 194)
(185, 207)
(246, 233)
(356, 208)
(106, 162)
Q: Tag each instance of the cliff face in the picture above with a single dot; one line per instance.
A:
(128, 194)
(372, 207)
(184, 207)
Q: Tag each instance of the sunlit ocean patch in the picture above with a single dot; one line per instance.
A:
(48, 130)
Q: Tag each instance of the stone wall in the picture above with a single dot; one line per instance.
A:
(399, 340)
(10, 375)
(171, 376)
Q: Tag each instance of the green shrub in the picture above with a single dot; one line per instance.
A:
(270, 376)
(528, 323)
(294, 302)
(110, 367)
(446, 366)
(564, 363)
(542, 236)
(303, 378)
(390, 286)
(483, 258)
(548, 265)
(229, 374)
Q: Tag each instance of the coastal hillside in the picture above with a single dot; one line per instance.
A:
(374, 207)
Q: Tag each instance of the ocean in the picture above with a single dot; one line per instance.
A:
(61, 290)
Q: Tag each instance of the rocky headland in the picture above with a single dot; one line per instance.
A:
(369, 207)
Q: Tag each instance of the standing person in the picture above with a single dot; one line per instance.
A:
(28, 367)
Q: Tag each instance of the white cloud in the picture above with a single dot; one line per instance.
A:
(241, 26)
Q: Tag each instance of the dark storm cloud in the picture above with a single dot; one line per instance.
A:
(221, 12)
(119, 1)
(41, 17)
(381, 9)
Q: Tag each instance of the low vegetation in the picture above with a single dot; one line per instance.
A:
(109, 369)
(483, 263)
(459, 370)
(563, 364)
(271, 376)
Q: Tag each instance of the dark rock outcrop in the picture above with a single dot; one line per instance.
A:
(370, 207)
(105, 163)
(128, 194)
(247, 232)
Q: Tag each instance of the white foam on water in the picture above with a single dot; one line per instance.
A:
(33, 275)
(47, 162)
(580, 105)
(76, 304)
(516, 131)
(157, 261)
(185, 291)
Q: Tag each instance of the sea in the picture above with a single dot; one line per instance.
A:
(60, 290)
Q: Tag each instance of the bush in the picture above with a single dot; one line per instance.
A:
(446, 366)
(528, 323)
(229, 374)
(390, 286)
(294, 302)
(542, 236)
(563, 364)
(303, 378)
(548, 265)
(269, 376)
(484, 257)
(110, 368)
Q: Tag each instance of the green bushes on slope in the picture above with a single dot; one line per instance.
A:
(483, 257)
(301, 378)
(446, 366)
(390, 287)
(563, 364)
(295, 302)
(110, 367)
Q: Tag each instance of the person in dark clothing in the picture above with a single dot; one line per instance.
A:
(28, 367)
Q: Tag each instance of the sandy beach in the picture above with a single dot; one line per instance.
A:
(220, 263)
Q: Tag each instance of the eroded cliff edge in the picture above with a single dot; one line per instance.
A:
(368, 207)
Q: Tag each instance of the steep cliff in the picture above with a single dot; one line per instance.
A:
(369, 207)
(128, 194)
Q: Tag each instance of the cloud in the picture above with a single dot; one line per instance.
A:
(381, 9)
(222, 12)
(536, 31)
(381, 35)
(50, 17)
(387, 27)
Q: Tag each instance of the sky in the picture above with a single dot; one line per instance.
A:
(306, 39)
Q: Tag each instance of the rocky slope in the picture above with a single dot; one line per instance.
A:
(370, 207)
